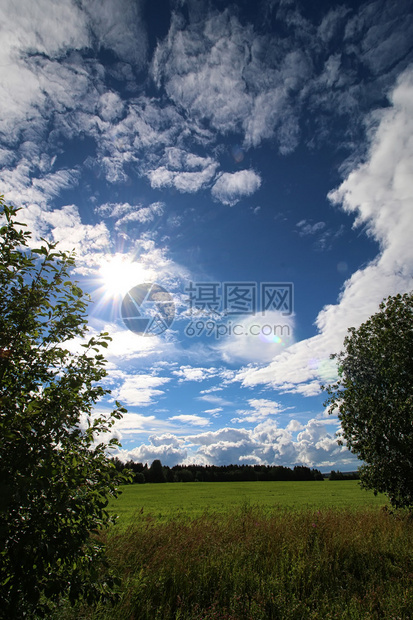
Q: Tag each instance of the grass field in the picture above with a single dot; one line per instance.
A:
(256, 551)
(166, 501)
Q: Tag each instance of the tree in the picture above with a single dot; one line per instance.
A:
(184, 475)
(55, 474)
(374, 398)
(156, 472)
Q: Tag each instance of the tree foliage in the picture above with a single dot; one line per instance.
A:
(374, 398)
(156, 472)
(55, 475)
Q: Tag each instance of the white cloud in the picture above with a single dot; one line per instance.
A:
(184, 171)
(373, 30)
(139, 138)
(293, 426)
(269, 444)
(126, 214)
(119, 26)
(315, 445)
(192, 420)
(202, 66)
(147, 453)
(258, 338)
(111, 106)
(244, 81)
(261, 408)
(230, 188)
(380, 193)
(215, 400)
(239, 80)
(331, 23)
(126, 346)
(214, 412)
(36, 27)
(64, 226)
(133, 423)
(166, 439)
(225, 435)
(23, 188)
(189, 373)
(139, 390)
(69, 232)
(306, 228)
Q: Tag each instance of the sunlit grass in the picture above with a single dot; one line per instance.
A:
(192, 499)
(256, 551)
(261, 563)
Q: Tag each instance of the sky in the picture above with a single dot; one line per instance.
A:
(236, 181)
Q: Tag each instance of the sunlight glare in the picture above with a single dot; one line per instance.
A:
(119, 275)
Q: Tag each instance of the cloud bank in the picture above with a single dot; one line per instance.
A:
(380, 194)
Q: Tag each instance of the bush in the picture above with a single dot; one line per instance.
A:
(55, 475)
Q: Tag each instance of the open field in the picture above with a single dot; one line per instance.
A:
(261, 563)
(166, 501)
(256, 551)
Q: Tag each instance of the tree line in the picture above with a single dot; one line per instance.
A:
(157, 472)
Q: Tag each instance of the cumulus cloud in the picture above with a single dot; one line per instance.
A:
(225, 435)
(314, 446)
(140, 390)
(294, 426)
(230, 188)
(147, 453)
(260, 409)
(111, 106)
(166, 439)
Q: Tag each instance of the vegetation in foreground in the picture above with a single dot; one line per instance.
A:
(258, 564)
(373, 399)
(55, 474)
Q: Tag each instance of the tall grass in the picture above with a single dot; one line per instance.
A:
(259, 564)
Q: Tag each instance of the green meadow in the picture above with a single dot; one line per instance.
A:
(256, 551)
(166, 501)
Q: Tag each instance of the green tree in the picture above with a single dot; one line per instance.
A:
(374, 398)
(184, 475)
(156, 472)
(55, 474)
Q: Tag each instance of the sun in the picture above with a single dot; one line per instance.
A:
(119, 274)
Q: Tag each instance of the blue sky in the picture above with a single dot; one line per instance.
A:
(218, 147)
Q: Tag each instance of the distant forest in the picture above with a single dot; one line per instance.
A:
(222, 473)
